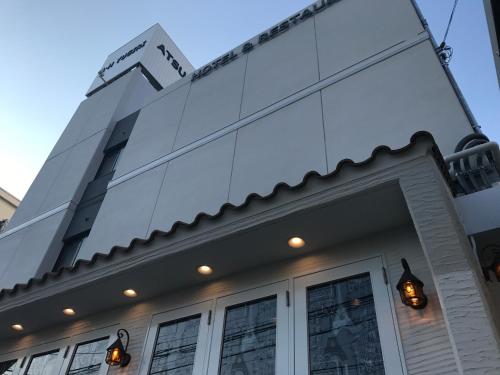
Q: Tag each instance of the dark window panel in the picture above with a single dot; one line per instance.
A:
(249, 339)
(96, 188)
(83, 219)
(108, 164)
(6, 368)
(175, 347)
(69, 252)
(88, 357)
(122, 131)
(43, 364)
(342, 326)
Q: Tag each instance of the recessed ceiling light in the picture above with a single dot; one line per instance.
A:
(296, 242)
(130, 293)
(69, 312)
(205, 270)
(17, 327)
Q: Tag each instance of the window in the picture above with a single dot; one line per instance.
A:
(175, 347)
(249, 339)
(88, 357)
(93, 196)
(250, 332)
(341, 320)
(342, 328)
(69, 252)
(7, 368)
(344, 322)
(44, 364)
(109, 162)
(178, 340)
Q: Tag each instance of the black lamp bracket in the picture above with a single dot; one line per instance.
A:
(121, 333)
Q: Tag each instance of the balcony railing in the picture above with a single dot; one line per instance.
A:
(476, 168)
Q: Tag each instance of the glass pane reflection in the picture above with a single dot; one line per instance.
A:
(43, 364)
(175, 347)
(343, 332)
(88, 358)
(7, 368)
(249, 341)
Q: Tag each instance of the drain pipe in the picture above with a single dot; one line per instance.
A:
(475, 126)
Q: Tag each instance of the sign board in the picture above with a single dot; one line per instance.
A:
(161, 59)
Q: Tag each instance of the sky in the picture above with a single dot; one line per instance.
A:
(52, 49)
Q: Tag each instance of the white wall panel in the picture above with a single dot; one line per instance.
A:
(125, 213)
(195, 182)
(8, 249)
(95, 113)
(80, 166)
(38, 191)
(71, 133)
(110, 99)
(281, 147)
(40, 240)
(390, 101)
(213, 103)
(280, 68)
(353, 30)
(139, 93)
(154, 131)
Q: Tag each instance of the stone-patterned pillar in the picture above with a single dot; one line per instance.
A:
(449, 254)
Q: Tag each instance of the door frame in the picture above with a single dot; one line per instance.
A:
(280, 290)
(387, 326)
(204, 309)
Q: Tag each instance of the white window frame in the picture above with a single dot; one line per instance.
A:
(205, 310)
(279, 290)
(85, 338)
(392, 356)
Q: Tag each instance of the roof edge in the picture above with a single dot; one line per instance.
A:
(417, 138)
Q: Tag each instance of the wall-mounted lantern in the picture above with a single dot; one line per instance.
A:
(489, 258)
(117, 354)
(411, 288)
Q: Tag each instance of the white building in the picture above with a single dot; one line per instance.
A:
(492, 11)
(250, 216)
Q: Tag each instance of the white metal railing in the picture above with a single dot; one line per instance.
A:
(476, 168)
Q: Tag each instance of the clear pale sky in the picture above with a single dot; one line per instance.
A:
(52, 49)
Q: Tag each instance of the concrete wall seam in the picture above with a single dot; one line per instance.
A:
(270, 109)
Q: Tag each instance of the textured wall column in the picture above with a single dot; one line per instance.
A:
(449, 254)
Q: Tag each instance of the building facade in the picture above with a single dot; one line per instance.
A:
(492, 11)
(8, 205)
(250, 216)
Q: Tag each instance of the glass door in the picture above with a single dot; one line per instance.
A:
(251, 333)
(177, 341)
(344, 323)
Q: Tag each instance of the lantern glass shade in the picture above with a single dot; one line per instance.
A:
(496, 269)
(116, 354)
(114, 357)
(411, 289)
(413, 295)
